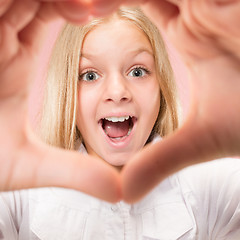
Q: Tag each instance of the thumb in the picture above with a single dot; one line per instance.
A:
(155, 162)
(39, 165)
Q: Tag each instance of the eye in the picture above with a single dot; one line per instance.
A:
(89, 76)
(138, 72)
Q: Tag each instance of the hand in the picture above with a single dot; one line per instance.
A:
(26, 162)
(199, 29)
(207, 34)
(19, 147)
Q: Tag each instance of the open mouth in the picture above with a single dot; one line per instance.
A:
(118, 128)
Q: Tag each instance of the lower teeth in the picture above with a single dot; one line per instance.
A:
(129, 131)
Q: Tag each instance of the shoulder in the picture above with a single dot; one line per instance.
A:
(211, 192)
(211, 175)
(213, 182)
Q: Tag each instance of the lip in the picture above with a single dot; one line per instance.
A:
(118, 144)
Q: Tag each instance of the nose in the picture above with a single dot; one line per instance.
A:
(117, 89)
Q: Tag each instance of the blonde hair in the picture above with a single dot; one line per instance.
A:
(58, 123)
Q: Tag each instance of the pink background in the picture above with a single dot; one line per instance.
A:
(36, 95)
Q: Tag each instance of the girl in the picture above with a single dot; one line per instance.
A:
(80, 90)
(110, 92)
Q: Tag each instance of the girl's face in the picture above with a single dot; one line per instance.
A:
(119, 96)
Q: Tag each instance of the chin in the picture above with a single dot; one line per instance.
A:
(116, 163)
(118, 159)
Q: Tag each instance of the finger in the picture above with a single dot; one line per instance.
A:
(36, 31)
(186, 147)
(4, 5)
(75, 12)
(20, 14)
(38, 165)
(178, 24)
(222, 19)
(34, 34)
(161, 11)
(47, 12)
(175, 2)
(101, 8)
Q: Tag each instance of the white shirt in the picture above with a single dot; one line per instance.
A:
(200, 202)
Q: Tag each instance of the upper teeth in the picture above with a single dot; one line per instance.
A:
(117, 119)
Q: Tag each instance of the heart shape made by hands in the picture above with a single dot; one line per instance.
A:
(209, 131)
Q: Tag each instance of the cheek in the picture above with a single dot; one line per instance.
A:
(83, 108)
(87, 106)
(154, 106)
(151, 100)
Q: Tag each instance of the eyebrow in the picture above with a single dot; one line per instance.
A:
(134, 52)
(141, 50)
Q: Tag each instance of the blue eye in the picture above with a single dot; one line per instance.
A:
(89, 76)
(138, 72)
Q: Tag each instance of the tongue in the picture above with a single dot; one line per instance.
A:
(117, 129)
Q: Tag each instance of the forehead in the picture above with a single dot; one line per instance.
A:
(118, 34)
